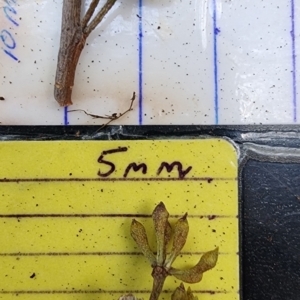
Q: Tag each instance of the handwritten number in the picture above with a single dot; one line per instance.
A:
(108, 163)
(112, 167)
(139, 167)
(8, 9)
(10, 54)
(7, 2)
(6, 36)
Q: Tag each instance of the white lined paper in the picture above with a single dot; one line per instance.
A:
(256, 78)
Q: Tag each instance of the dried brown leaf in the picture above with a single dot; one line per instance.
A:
(160, 219)
(195, 274)
(181, 231)
(181, 294)
(168, 233)
(129, 297)
(190, 295)
(139, 235)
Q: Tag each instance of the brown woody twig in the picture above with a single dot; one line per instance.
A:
(74, 33)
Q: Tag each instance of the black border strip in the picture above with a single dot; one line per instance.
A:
(238, 133)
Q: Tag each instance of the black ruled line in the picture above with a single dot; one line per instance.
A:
(18, 216)
(121, 292)
(19, 180)
(14, 254)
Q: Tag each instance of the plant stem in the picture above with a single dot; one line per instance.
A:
(72, 41)
(159, 275)
(89, 13)
(74, 33)
(99, 17)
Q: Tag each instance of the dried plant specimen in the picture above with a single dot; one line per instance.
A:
(111, 118)
(161, 263)
(181, 294)
(128, 297)
(74, 32)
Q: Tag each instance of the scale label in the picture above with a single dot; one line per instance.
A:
(66, 209)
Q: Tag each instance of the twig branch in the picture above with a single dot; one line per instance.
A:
(99, 17)
(111, 118)
(89, 13)
(73, 37)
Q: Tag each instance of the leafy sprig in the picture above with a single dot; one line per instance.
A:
(161, 263)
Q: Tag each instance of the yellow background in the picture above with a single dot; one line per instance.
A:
(74, 235)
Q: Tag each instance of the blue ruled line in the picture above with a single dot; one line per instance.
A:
(216, 88)
(294, 61)
(140, 63)
(66, 122)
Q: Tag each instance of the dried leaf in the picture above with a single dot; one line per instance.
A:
(162, 267)
(181, 294)
(160, 219)
(168, 233)
(209, 260)
(188, 276)
(139, 235)
(129, 297)
(195, 274)
(190, 295)
(181, 231)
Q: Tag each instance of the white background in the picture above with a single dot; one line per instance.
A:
(244, 74)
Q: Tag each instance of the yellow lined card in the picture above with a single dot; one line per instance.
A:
(66, 209)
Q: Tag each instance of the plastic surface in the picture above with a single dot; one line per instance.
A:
(199, 62)
(269, 161)
(66, 214)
